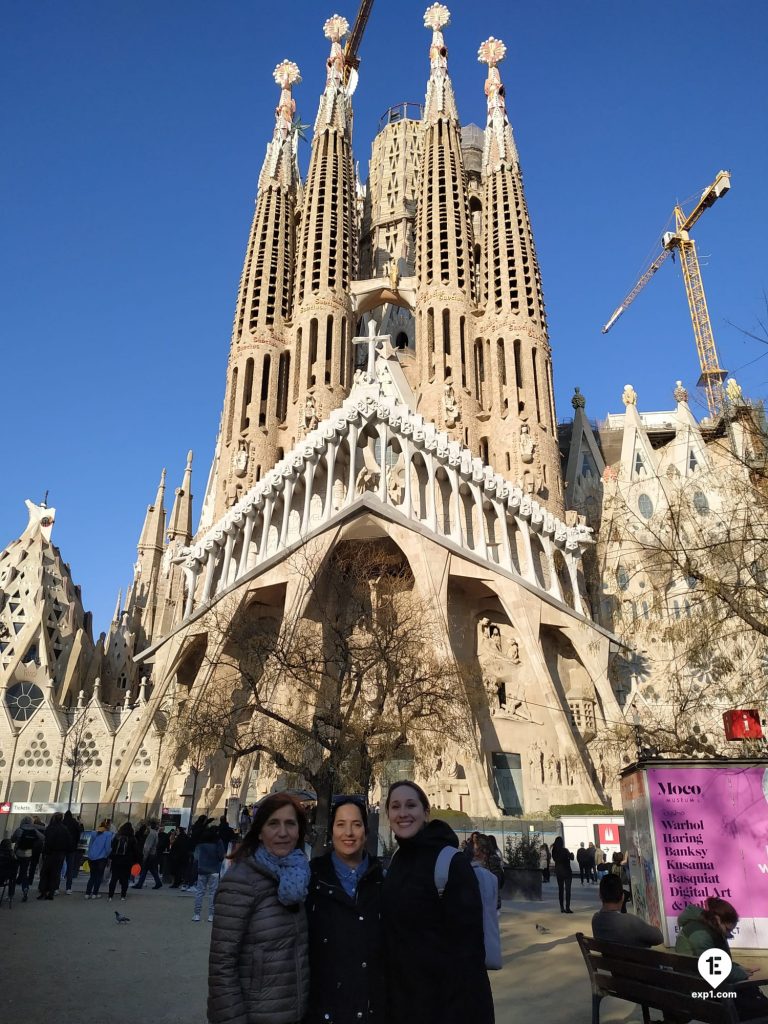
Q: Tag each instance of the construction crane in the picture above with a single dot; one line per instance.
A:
(679, 240)
(351, 59)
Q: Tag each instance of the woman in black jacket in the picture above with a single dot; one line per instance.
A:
(346, 962)
(123, 855)
(561, 858)
(434, 942)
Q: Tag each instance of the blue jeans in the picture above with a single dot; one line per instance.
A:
(209, 882)
(94, 879)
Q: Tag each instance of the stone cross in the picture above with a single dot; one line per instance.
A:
(373, 340)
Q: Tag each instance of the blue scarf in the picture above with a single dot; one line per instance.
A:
(292, 873)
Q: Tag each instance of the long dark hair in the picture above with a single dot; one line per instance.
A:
(264, 812)
(721, 910)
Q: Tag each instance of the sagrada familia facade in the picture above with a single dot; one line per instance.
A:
(389, 379)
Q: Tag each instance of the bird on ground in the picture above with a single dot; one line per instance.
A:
(542, 929)
(121, 918)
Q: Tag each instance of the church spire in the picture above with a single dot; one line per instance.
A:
(180, 520)
(444, 261)
(152, 539)
(500, 145)
(326, 250)
(518, 406)
(440, 101)
(257, 376)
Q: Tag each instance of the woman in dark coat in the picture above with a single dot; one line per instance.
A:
(123, 855)
(258, 970)
(346, 958)
(561, 858)
(434, 943)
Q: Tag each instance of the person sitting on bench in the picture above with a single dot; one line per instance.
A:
(610, 925)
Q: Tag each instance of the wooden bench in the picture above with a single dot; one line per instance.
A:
(662, 981)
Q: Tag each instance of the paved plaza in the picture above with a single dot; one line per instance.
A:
(69, 961)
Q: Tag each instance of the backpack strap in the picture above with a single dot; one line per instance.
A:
(443, 866)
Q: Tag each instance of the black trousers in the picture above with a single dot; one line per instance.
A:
(50, 872)
(121, 875)
(564, 889)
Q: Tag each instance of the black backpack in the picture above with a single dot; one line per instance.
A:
(27, 840)
(120, 846)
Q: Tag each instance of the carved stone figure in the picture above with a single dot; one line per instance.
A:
(629, 395)
(240, 459)
(450, 405)
(499, 656)
(367, 480)
(393, 274)
(527, 444)
(309, 416)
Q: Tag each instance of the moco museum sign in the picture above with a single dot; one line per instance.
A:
(697, 829)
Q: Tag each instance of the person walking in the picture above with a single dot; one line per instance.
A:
(124, 853)
(589, 863)
(434, 941)
(149, 859)
(258, 969)
(346, 954)
(581, 860)
(209, 853)
(9, 870)
(561, 858)
(490, 894)
(75, 828)
(245, 820)
(99, 849)
(26, 838)
(57, 843)
(37, 849)
(227, 833)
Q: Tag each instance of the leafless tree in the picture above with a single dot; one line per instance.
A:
(688, 594)
(331, 695)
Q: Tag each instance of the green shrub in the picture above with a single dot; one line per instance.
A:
(558, 810)
(523, 851)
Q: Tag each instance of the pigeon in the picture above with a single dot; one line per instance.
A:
(122, 919)
(542, 929)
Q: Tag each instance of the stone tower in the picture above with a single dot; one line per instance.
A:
(326, 253)
(444, 250)
(256, 399)
(511, 359)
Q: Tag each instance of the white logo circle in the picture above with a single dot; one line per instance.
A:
(714, 966)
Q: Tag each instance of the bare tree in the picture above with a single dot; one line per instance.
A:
(78, 755)
(331, 695)
(686, 588)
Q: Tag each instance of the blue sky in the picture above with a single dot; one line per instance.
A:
(132, 136)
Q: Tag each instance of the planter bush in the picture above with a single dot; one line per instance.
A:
(522, 876)
(522, 883)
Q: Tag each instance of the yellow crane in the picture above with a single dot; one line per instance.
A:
(355, 37)
(679, 240)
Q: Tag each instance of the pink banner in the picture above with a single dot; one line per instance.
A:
(711, 831)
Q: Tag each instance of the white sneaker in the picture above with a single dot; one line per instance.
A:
(97, 897)
(196, 917)
(109, 899)
(123, 899)
(87, 896)
(210, 918)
